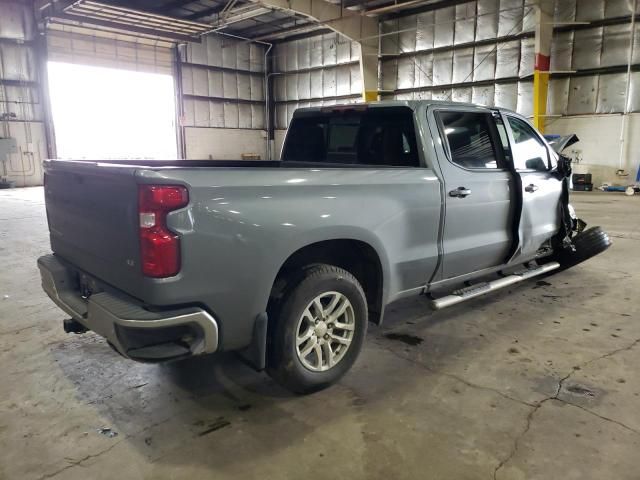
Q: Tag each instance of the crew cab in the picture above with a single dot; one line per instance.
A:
(287, 261)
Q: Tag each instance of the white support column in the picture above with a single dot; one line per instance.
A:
(352, 25)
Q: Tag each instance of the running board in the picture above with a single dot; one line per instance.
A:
(474, 291)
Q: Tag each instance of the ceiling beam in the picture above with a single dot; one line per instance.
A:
(168, 6)
(205, 13)
(405, 9)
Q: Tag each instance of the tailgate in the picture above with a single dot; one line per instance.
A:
(93, 220)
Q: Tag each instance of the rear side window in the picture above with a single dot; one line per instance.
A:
(529, 153)
(376, 137)
(471, 138)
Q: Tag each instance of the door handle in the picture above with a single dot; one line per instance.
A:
(460, 192)
(531, 188)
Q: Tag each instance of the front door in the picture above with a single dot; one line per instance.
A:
(541, 189)
(479, 188)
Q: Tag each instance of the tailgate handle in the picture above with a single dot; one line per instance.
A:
(460, 192)
(531, 188)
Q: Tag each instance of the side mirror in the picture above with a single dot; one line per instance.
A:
(536, 164)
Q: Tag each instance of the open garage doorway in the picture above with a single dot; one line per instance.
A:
(109, 113)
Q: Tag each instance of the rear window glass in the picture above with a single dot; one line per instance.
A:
(377, 137)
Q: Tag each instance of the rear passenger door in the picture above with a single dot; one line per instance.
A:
(541, 188)
(478, 185)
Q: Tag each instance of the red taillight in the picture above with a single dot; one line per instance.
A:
(159, 246)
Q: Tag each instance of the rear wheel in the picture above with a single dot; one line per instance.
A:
(319, 329)
(588, 243)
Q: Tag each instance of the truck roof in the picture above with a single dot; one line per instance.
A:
(413, 104)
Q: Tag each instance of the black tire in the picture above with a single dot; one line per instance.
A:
(588, 244)
(284, 364)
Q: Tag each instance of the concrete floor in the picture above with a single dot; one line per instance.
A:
(538, 382)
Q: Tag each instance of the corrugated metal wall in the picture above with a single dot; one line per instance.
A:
(223, 83)
(319, 70)
(483, 52)
(21, 112)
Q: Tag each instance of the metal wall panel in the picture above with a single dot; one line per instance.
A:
(17, 62)
(506, 95)
(424, 70)
(389, 74)
(443, 32)
(229, 54)
(562, 51)
(257, 88)
(390, 38)
(304, 85)
(564, 11)
(214, 47)
(611, 93)
(217, 51)
(634, 93)
(356, 79)
(329, 82)
(243, 52)
(257, 116)
(558, 96)
(465, 25)
(484, 63)
(201, 111)
(527, 57)
(589, 10)
(292, 86)
(582, 95)
(508, 59)
(463, 65)
(615, 45)
(425, 30)
(510, 17)
(231, 115)
(304, 53)
(587, 48)
(200, 82)
(229, 85)
(316, 85)
(617, 8)
(244, 115)
(407, 27)
(244, 86)
(525, 98)
(343, 80)
(256, 58)
(462, 95)
(406, 73)
(216, 114)
(487, 21)
(442, 68)
(528, 19)
(483, 95)
(329, 50)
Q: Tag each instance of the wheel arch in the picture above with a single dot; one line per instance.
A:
(358, 257)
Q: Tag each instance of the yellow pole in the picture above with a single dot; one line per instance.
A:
(540, 89)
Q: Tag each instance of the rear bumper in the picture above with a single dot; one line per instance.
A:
(133, 330)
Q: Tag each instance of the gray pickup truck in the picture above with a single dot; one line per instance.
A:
(286, 262)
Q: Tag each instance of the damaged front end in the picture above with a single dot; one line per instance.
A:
(574, 243)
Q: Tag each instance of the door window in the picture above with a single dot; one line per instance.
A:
(471, 138)
(529, 152)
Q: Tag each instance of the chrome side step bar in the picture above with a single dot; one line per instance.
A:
(474, 291)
